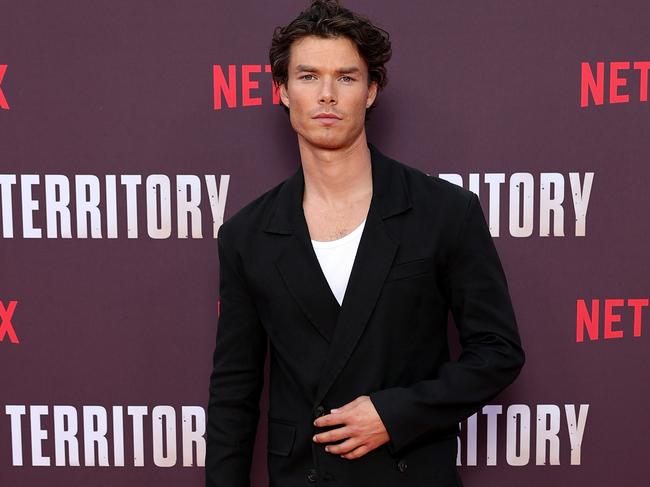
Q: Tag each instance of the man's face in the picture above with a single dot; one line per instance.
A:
(327, 76)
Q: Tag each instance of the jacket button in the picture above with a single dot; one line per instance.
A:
(319, 411)
(401, 466)
(311, 475)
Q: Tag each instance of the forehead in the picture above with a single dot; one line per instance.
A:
(325, 53)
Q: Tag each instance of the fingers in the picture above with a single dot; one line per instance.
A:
(356, 437)
(335, 414)
(356, 453)
(344, 448)
(333, 435)
(331, 419)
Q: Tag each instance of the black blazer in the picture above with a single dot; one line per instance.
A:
(425, 250)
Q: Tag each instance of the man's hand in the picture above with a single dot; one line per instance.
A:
(362, 427)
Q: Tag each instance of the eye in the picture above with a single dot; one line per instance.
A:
(348, 78)
(305, 76)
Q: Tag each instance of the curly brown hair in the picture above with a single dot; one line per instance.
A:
(328, 19)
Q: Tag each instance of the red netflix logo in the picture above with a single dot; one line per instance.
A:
(594, 83)
(588, 318)
(3, 101)
(6, 328)
(228, 86)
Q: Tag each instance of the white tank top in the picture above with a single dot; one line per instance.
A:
(336, 258)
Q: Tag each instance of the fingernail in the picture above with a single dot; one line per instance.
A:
(314, 438)
(327, 448)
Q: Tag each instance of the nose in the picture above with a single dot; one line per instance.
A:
(327, 94)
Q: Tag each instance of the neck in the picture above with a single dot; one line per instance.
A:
(336, 178)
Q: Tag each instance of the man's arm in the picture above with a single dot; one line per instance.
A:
(237, 377)
(477, 292)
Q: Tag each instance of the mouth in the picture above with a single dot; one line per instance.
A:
(327, 118)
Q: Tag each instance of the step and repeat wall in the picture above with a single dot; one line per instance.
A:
(130, 130)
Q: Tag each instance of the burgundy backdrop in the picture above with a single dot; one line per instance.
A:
(130, 130)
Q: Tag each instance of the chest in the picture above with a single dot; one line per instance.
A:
(327, 224)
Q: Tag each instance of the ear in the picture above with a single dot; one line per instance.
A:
(372, 94)
(284, 96)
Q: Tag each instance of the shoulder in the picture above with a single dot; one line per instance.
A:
(427, 190)
(251, 217)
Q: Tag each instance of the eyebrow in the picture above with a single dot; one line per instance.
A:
(304, 67)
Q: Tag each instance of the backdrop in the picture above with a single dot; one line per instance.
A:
(129, 130)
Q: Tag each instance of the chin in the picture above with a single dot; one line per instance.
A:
(325, 141)
(329, 143)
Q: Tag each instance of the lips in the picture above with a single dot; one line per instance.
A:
(328, 116)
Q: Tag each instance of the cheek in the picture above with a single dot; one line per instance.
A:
(296, 111)
(301, 106)
(357, 100)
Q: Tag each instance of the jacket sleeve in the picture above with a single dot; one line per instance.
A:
(477, 294)
(237, 377)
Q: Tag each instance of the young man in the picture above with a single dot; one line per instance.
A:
(348, 269)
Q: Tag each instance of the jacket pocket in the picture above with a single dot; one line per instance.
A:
(411, 268)
(281, 437)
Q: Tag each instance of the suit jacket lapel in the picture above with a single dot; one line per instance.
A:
(341, 326)
(298, 264)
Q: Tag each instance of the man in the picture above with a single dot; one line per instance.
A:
(348, 269)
